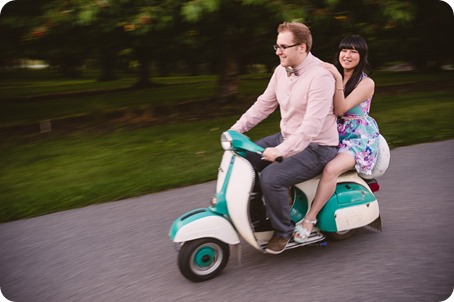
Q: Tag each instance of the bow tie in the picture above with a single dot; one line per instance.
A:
(291, 71)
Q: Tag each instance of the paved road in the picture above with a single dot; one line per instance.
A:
(120, 251)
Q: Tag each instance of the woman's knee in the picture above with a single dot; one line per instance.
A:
(331, 170)
(339, 165)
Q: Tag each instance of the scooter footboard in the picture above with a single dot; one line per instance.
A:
(203, 223)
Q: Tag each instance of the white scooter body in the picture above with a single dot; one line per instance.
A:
(240, 188)
(203, 235)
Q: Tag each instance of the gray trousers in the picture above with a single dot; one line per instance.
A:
(276, 178)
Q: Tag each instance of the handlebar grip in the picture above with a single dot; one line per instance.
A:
(279, 159)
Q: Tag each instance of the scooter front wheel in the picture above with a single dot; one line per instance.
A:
(203, 259)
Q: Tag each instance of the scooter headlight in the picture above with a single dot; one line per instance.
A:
(226, 141)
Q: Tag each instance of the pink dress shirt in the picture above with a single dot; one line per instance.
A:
(306, 106)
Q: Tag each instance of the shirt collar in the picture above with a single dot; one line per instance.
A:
(303, 66)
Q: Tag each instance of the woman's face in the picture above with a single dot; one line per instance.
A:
(349, 58)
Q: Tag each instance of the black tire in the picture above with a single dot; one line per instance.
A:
(203, 259)
(337, 236)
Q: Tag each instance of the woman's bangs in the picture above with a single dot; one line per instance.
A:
(352, 42)
(346, 46)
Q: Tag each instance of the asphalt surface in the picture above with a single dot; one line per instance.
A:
(120, 251)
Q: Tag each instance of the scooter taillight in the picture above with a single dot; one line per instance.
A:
(373, 184)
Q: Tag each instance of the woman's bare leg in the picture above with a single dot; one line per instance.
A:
(343, 162)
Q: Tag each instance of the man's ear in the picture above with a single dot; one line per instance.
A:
(303, 47)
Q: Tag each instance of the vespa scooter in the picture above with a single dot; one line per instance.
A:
(203, 236)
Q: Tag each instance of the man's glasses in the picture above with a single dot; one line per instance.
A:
(284, 47)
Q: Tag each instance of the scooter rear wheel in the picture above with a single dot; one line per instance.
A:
(203, 259)
(337, 236)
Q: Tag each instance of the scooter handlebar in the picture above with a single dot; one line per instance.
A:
(233, 140)
(278, 159)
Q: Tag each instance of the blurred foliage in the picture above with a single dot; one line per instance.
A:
(223, 37)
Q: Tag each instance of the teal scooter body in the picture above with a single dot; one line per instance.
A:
(204, 236)
(348, 196)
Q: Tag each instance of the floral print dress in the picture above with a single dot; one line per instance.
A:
(359, 135)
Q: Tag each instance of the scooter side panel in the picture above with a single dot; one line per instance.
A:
(352, 206)
(356, 216)
(309, 187)
(349, 207)
(352, 176)
(241, 183)
(202, 223)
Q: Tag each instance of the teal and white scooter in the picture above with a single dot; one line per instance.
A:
(203, 236)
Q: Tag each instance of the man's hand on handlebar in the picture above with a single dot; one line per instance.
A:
(272, 155)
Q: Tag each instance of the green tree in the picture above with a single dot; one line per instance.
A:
(238, 31)
(17, 19)
(218, 36)
(242, 29)
(429, 38)
(104, 28)
(332, 20)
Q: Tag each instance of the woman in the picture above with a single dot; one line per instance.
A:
(358, 132)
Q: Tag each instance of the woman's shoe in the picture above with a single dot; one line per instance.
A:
(300, 235)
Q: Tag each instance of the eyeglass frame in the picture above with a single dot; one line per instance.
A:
(284, 47)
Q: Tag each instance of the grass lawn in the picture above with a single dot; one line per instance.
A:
(62, 170)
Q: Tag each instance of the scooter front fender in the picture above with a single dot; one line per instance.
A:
(203, 223)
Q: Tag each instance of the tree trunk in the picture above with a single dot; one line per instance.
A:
(69, 67)
(228, 80)
(107, 61)
(144, 69)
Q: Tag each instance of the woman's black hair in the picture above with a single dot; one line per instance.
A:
(358, 43)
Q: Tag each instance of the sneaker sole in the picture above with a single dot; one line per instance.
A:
(268, 251)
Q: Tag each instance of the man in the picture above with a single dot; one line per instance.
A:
(308, 139)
